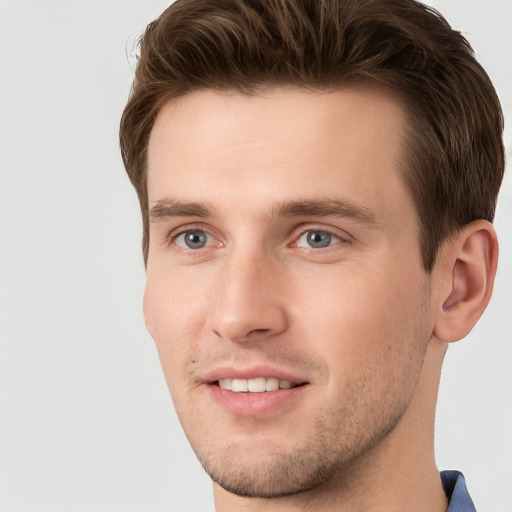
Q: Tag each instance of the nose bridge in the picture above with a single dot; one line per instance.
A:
(247, 299)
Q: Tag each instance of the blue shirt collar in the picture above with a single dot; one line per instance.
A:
(455, 488)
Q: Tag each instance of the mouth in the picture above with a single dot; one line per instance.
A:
(257, 391)
(256, 385)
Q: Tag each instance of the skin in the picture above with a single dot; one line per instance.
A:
(358, 321)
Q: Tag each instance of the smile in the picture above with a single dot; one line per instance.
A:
(256, 385)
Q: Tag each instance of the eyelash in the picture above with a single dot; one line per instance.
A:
(183, 230)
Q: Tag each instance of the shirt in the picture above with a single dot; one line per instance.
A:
(457, 492)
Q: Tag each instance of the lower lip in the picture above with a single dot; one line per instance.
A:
(251, 404)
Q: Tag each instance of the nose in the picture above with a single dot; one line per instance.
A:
(248, 299)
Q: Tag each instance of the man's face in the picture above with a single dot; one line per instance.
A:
(284, 257)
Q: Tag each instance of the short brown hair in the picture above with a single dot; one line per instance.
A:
(455, 154)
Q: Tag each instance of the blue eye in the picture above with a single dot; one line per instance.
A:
(192, 240)
(317, 239)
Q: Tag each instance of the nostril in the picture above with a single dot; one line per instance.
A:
(239, 323)
(239, 337)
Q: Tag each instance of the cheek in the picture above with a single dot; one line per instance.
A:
(368, 319)
(174, 319)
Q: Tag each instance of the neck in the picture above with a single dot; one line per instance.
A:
(398, 474)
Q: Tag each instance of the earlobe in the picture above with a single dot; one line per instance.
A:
(470, 263)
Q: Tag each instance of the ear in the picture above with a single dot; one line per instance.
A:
(466, 280)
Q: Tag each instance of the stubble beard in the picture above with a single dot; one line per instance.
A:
(339, 445)
(329, 454)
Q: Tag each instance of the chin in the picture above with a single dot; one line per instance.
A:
(299, 464)
(270, 477)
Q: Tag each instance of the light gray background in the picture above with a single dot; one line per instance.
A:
(86, 423)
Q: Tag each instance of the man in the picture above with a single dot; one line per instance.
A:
(317, 183)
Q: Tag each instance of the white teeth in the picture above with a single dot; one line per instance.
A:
(285, 384)
(240, 385)
(272, 384)
(257, 385)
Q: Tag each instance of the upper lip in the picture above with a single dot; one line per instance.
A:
(253, 372)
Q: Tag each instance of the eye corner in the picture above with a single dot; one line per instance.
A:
(193, 239)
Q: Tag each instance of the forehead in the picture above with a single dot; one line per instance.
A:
(279, 142)
(312, 115)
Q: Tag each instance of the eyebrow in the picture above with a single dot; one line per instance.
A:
(168, 208)
(329, 208)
